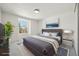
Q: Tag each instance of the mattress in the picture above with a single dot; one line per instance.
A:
(41, 46)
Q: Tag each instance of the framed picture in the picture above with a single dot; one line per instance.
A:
(52, 23)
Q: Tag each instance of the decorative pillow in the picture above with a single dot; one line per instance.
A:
(45, 33)
(59, 34)
(53, 34)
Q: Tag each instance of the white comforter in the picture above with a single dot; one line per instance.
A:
(51, 41)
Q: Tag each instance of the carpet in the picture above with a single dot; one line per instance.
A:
(62, 51)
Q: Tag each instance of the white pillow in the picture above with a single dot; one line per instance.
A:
(57, 37)
(53, 34)
(45, 33)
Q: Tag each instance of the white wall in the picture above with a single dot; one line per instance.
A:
(34, 27)
(14, 20)
(67, 21)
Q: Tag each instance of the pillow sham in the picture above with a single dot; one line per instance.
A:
(45, 33)
(53, 34)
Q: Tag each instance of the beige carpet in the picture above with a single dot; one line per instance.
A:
(17, 49)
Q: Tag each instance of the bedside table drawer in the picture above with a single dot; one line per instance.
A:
(69, 43)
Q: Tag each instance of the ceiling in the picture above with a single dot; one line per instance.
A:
(46, 9)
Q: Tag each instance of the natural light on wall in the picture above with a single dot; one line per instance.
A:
(24, 25)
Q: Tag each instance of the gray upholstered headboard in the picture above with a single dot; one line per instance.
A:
(52, 30)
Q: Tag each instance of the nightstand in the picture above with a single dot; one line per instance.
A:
(68, 38)
(68, 42)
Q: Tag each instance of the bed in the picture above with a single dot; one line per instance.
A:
(44, 45)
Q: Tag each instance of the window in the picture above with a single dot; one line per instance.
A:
(23, 25)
